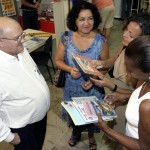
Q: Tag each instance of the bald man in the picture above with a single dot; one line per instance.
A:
(24, 94)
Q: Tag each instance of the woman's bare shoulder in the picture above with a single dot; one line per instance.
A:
(145, 105)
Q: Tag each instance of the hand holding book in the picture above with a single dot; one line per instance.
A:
(84, 64)
(89, 108)
(103, 82)
(101, 123)
(98, 64)
(75, 73)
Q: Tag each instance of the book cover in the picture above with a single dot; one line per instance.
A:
(78, 114)
(107, 111)
(88, 108)
(84, 64)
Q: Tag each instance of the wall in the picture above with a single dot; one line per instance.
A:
(14, 16)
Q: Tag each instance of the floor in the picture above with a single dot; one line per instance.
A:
(57, 131)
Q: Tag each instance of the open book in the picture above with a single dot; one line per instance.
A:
(84, 64)
(83, 110)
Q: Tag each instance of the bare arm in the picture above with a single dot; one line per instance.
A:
(105, 82)
(103, 56)
(117, 97)
(107, 63)
(59, 58)
(143, 143)
(144, 125)
(128, 142)
(60, 63)
(105, 52)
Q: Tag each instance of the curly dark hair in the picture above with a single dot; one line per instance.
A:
(76, 9)
(139, 51)
(142, 19)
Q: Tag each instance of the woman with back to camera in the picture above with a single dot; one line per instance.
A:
(82, 20)
(137, 62)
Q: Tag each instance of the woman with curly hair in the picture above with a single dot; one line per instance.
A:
(82, 20)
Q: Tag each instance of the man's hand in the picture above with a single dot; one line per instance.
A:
(16, 139)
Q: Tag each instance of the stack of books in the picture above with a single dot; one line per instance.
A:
(83, 110)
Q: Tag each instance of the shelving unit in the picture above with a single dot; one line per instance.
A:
(135, 9)
(58, 25)
(142, 5)
(60, 10)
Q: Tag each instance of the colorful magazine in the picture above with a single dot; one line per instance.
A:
(89, 108)
(83, 110)
(84, 64)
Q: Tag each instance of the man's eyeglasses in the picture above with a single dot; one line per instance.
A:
(18, 39)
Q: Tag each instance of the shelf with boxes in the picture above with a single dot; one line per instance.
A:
(46, 18)
(52, 16)
(46, 25)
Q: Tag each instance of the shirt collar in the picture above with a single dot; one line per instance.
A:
(9, 57)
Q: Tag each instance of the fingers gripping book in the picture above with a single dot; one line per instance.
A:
(84, 64)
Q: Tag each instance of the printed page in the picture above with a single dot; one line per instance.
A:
(74, 114)
(107, 112)
(78, 114)
(86, 118)
(33, 43)
(88, 108)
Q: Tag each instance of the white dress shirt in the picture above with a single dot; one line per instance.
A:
(24, 94)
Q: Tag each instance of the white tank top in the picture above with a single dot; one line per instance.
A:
(132, 112)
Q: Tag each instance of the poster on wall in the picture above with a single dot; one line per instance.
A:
(8, 7)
